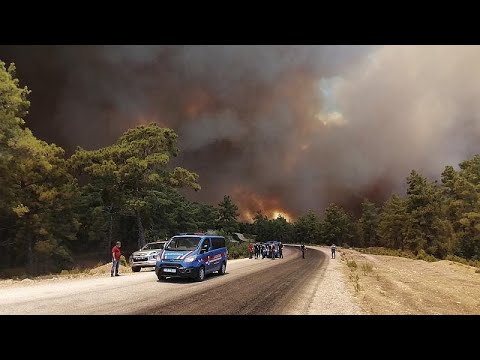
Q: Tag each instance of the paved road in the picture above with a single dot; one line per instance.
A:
(249, 287)
(265, 292)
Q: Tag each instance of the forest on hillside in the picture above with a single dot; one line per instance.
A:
(55, 208)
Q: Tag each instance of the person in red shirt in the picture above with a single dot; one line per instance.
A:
(250, 250)
(116, 253)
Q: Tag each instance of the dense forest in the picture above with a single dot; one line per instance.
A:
(55, 208)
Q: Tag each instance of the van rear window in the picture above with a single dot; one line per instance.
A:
(218, 243)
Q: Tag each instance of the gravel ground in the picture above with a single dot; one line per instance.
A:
(315, 285)
(400, 286)
(325, 293)
(127, 294)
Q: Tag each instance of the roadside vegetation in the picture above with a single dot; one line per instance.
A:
(421, 255)
(237, 250)
(356, 271)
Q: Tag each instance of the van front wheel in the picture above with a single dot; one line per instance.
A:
(223, 269)
(201, 274)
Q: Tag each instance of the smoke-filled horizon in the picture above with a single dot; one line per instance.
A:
(278, 128)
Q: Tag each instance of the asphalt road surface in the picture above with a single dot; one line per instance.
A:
(250, 286)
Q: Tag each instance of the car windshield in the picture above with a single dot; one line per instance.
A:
(183, 243)
(153, 246)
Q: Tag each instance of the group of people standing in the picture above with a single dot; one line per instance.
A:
(264, 250)
(269, 250)
(258, 249)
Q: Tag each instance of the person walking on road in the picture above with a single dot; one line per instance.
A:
(303, 251)
(333, 248)
(280, 251)
(116, 253)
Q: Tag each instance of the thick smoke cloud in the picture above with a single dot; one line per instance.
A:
(276, 127)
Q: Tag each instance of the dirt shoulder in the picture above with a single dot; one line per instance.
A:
(325, 291)
(99, 271)
(391, 285)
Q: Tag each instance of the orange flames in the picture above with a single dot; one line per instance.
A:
(199, 102)
(249, 203)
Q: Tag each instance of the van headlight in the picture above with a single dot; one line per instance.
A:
(190, 259)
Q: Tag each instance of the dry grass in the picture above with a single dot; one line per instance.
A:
(105, 269)
(101, 269)
(367, 268)
(410, 286)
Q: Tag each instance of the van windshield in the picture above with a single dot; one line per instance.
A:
(183, 243)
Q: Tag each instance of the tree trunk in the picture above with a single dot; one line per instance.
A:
(110, 230)
(109, 237)
(141, 234)
(28, 238)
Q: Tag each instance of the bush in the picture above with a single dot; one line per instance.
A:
(422, 255)
(51, 257)
(351, 264)
(463, 261)
(123, 261)
(237, 250)
(355, 279)
(367, 268)
(387, 251)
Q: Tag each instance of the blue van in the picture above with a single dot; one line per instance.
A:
(192, 256)
(266, 249)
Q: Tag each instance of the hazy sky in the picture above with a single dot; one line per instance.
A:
(276, 127)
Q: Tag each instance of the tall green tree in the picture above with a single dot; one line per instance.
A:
(172, 214)
(261, 226)
(462, 201)
(13, 107)
(247, 228)
(44, 195)
(205, 216)
(307, 228)
(227, 215)
(281, 229)
(36, 189)
(136, 169)
(337, 226)
(427, 227)
(393, 222)
(368, 224)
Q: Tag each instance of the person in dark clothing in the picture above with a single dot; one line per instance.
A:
(280, 251)
(303, 251)
(333, 248)
(116, 253)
